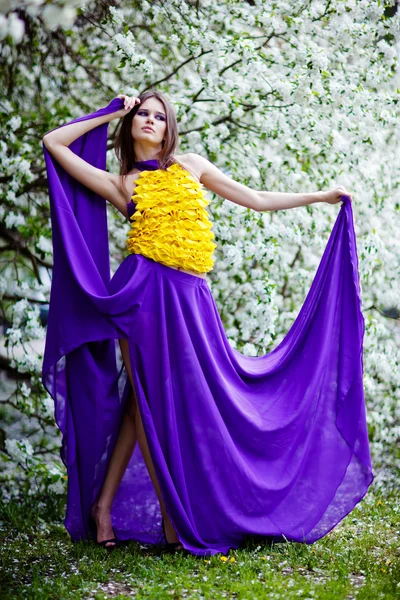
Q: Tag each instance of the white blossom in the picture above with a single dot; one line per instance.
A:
(14, 336)
(48, 404)
(15, 27)
(53, 16)
(117, 15)
(15, 122)
(45, 244)
(25, 390)
(249, 349)
(58, 487)
(19, 450)
(14, 219)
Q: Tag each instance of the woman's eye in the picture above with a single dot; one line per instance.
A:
(141, 112)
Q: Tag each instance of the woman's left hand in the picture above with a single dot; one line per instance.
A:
(335, 195)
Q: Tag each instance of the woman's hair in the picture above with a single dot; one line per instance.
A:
(124, 145)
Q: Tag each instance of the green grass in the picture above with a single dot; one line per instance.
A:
(358, 559)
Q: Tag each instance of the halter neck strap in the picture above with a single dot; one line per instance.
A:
(146, 165)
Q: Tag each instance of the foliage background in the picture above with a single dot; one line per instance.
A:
(283, 96)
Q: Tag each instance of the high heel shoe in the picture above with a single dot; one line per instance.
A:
(171, 546)
(115, 541)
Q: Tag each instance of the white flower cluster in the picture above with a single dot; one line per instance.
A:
(53, 14)
(25, 390)
(117, 15)
(45, 244)
(14, 335)
(249, 349)
(15, 122)
(48, 405)
(13, 26)
(20, 310)
(14, 219)
(19, 450)
(28, 363)
(28, 315)
(126, 46)
(57, 475)
(58, 487)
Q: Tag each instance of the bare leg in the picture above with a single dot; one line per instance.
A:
(116, 468)
(131, 431)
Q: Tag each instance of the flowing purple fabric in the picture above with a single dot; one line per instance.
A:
(274, 445)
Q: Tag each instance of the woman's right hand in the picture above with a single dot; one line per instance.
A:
(129, 103)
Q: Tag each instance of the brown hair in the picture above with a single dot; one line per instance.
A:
(124, 146)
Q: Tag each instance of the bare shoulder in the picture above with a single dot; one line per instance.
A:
(203, 167)
(192, 162)
(206, 170)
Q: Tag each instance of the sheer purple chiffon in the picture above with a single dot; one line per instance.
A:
(274, 445)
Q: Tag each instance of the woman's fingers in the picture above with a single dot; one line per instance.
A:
(129, 101)
(336, 195)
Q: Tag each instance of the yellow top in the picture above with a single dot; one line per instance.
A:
(171, 224)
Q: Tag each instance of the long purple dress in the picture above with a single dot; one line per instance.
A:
(274, 445)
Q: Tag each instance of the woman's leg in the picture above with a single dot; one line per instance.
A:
(119, 460)
(131, 430)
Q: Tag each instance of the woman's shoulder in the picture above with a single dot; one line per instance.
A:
(192, 162)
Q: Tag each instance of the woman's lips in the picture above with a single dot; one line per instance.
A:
(148, 129)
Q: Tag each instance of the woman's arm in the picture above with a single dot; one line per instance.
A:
(103, 183)
(216, 181)
(67, 134)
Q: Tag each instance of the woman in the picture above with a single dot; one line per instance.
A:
(233, 445)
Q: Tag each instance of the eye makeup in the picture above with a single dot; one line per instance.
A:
(145, 111)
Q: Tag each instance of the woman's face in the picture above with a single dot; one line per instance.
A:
(152, 114)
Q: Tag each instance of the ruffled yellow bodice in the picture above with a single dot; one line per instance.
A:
(171, 224)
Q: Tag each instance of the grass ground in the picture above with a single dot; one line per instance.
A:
(358, 559)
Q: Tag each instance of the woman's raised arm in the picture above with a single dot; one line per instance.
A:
(103, 183)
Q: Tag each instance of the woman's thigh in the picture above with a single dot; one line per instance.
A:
(132, 402)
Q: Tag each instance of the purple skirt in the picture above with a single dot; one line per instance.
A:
(273, 446)
(241, 445)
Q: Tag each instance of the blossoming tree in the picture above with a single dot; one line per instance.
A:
(282, 96)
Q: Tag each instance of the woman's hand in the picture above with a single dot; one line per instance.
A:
(129, 103)
(335, 195)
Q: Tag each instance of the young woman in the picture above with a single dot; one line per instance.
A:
(229, 442)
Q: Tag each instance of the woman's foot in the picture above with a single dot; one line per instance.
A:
(102, 518)
(170, 533)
